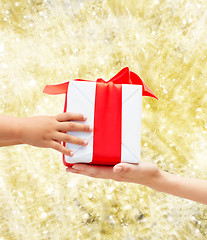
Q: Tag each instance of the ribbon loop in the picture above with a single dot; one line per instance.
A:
(123, 77)
(100, 80)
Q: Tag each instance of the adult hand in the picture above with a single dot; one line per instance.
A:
(150, 175)
(144, 173)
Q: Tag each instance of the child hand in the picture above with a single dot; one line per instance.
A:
(49, 131)
(142, 173)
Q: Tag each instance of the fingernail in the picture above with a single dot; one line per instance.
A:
(118, 169)
(75, 167)
(71, 154)
(90, 129)
(85, 142)
(84, 117)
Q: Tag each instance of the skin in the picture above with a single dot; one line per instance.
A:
(43, 131)
(50, 131)
(150, 175)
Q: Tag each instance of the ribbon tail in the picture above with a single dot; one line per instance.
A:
(56, 89)
(146, 90)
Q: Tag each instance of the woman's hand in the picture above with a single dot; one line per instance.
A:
(148, 174)
(49, 131)
(143, 173)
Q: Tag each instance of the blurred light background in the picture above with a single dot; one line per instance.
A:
(52, 41)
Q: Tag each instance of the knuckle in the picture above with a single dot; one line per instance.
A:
(86, 127)
(52, 118)
(80, 142)
(67, 138)
(57, 147)
(51, 123)
(126, 170)
(58, 115)
(71, 125)
(46, 136)
(45, 145)
(68, 114)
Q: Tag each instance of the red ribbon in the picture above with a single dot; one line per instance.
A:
(123, 77)
(107, 114)
(107, 124)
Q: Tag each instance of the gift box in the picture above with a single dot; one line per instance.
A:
(113, 109)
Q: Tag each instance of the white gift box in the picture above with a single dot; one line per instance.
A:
(81, 99)
(113, 110)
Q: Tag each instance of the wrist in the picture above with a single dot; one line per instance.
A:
(153, 179)
(19, 130)
(10, 128)
(160, 181)
(165, 182)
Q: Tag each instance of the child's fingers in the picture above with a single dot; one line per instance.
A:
(61, 148)
(63, 117)
(71, 139)
(73, 126)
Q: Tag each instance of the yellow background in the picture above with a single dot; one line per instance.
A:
(49, 42)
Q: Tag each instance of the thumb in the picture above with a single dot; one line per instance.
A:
(123, 168)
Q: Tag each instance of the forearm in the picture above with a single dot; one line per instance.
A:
(190, 188)
(10, 130)
(9, 143)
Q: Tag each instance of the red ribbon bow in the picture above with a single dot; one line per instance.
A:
(123, 77)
